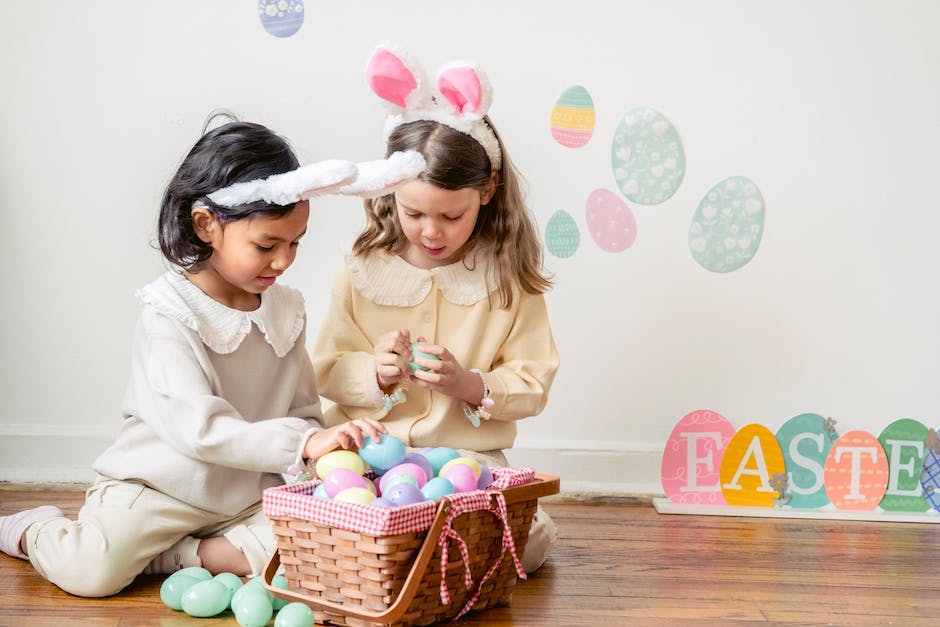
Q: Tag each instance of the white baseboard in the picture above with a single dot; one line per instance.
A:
(585, 467)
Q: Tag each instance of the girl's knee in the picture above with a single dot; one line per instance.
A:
(86, 580)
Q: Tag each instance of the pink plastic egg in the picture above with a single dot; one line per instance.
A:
(420, 460)
(341, 479)
(462, 476)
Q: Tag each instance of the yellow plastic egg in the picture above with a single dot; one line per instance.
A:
(363, 496)
(466, 461)
(340, 459)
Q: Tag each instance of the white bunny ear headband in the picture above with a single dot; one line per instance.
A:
(367, 180)
(462, 97)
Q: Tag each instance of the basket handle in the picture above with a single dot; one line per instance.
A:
(543, 485)
(397, 609)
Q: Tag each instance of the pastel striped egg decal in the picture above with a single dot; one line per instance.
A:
(562, 236)
(610, 221)
(647, 157)
(728, 225)
(281, 18)
(856, 472)
(903, 443)
(572, 120)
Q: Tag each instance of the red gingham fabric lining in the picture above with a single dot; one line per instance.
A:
(297, 501)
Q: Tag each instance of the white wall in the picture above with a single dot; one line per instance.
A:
(830, 107)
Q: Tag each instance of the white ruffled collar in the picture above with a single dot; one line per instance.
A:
(390, 280)
(280, 317)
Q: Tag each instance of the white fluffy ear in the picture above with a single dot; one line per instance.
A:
(290, 187)
(378, 178)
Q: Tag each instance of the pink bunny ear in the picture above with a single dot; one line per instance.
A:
(389, 77)
(463, 87)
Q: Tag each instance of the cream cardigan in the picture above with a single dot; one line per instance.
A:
(513, 348)
(220, 402)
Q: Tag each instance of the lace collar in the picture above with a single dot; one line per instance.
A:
(280, 316)
(390, 280)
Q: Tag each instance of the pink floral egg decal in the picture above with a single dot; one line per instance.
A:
(610, 221)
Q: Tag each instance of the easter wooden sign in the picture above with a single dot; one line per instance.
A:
(805, 469)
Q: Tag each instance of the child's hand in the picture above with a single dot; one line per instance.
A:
(348, 435)
(446, 376)
(392, 353)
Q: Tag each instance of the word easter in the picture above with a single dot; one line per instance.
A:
(806, 464)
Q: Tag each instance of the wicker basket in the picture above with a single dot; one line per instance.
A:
(357, 579)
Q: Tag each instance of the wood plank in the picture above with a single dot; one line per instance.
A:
(615, 563)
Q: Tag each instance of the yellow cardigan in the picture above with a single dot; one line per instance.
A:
(513, 348)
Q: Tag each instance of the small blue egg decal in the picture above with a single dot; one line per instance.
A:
(562, 236)
(728, 225)
(281, 18)
(647, 157)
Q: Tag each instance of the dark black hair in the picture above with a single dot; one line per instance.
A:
(232, 153)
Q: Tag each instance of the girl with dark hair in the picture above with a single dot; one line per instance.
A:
(222, 400)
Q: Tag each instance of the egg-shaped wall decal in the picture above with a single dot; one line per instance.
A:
(805, 441)
(856, 472)
(728, 225)
(281, 18)
(610, 221)
(647, 157)
(752, 470)
(562, 236)
(930, 478)
(572, 119)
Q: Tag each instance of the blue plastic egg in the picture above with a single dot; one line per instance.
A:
(389, 451)
(253, 610)
(279, 582)
(231, 581)
(437, 487)
(171, 592)
(439, 456)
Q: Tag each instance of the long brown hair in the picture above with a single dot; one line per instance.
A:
(505, 229)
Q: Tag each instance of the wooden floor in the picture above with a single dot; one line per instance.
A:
(615, 563)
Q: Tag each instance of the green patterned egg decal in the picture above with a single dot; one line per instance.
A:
(903, 442)
(647, 157)
(728, 225)
(562, 236)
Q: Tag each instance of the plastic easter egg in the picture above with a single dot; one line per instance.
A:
(610, 221)
(253, 610)
(466, 461)
(439, 456)
(805, 441)
(856, 472)
(387, 452)
(205, 598)
(752, 471)
(231, 581)
(279, 582)
(341, 479)
(252, 587)
(437, 487)
(319, 492)
(647, 157)
(486, 478)
(294, 615)
(562, 236)
(692, 458)
(281, 18)
(390, 479)
(421, 461)
(413, 471)
(462, 476)
(340, 459)
(173, 587)
(381, 502)
(728, 225)
(403, 494)
(930, 478)
(413, 364)
(198, 572)
(363, 496)
(572, 118)
(903, 443)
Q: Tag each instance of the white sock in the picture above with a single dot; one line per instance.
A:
(14, 526)
(177, 557)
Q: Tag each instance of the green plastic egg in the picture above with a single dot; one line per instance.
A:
(294, 615)
(253, 609)
(280, 582)
(254, 586)
(198, 572)
(171, 592)
(231, 581)
(205, 598)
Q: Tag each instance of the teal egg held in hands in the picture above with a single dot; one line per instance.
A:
(388, 452)
(419, 354)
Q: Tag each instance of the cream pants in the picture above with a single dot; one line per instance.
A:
(122, 526)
